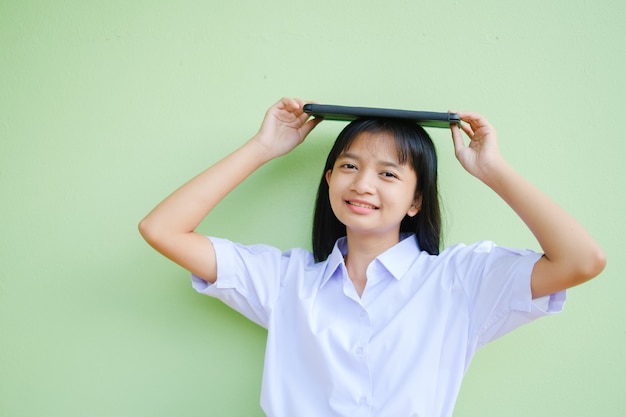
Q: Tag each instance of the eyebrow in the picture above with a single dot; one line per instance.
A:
(350, 155)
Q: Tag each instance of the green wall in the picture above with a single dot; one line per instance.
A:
(106, 107)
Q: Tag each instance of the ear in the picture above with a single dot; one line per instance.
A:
(328, 174)
(415, 207)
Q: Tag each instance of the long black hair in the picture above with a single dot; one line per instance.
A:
(414, 147)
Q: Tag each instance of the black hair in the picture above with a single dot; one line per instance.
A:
(414, 147)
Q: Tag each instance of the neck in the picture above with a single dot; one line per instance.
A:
(362, 250)
(365, 246)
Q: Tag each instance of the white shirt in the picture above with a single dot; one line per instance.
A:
(401, 349)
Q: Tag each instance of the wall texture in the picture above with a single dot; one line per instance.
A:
(106, 107)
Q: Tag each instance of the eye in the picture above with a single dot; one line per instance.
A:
(348, 166)
(388, 174)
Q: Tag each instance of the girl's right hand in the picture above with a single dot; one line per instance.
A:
(285, 126)
(170, 226)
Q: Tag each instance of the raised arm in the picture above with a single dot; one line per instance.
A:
(571, 255)
(169, 227)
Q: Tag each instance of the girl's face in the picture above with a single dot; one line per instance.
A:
(370, 191)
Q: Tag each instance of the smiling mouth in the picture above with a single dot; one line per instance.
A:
(362, 205)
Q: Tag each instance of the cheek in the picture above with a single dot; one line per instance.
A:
(336, 184)
(333, 196)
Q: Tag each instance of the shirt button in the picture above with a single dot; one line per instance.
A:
(359, 350)
(363, 400)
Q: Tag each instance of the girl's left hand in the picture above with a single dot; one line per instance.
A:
(481, 155)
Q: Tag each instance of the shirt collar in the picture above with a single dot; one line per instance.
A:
(397, 259)
(336, 259)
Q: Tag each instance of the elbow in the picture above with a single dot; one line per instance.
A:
(597, 263)
(148, 231)
(143, 227)
(554, 276)
(590, 266)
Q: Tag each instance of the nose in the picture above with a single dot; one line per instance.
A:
(363, 183)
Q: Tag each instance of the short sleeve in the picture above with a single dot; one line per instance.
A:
(248, 278)
(497, 283)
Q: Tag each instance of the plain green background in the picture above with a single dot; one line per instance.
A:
(106, 107)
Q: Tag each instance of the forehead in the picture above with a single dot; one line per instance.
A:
(373, 142)
(381, 145)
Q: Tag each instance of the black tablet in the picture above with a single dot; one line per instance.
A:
(347, 114)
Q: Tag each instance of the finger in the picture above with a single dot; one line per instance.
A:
(300, 104)
(291, 110)
(469, 131)
(309, 125)
(468, 116)
(292, 105)
(463, 125)
(457, 138)
(475, 120)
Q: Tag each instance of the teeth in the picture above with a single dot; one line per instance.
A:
(361, 205)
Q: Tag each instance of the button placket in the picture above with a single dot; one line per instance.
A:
(360, 353)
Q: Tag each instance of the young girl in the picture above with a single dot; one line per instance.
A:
(375, 322)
